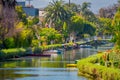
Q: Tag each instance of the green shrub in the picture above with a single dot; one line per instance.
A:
(9, 42)
(88, 66)
(18, 52)
(11, 53)
(29, 51)
(37, 50)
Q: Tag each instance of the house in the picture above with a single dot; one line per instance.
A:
(29, 9)
(42, 14)
(22, 3)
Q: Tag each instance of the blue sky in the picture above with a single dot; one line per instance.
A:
(95, 4)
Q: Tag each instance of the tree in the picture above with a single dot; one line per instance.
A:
(65, 31)
(105, 26)
(50, 35)
(87, 13)
(21, 14)
(79, 27)
(24, 37)
(73, 7)
(76, 27)
(36, 38)
(85, 9)
(57, 14)
(77, 24)
(108, 12)
(116, 28)
(89, 28)
(31, 21)
(7, 19)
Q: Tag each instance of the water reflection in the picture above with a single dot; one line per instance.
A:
(45, 68)
(39, 74)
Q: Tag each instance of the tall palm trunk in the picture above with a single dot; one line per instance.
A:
(69, 3)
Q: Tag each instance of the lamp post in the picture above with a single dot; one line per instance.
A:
(69, 3)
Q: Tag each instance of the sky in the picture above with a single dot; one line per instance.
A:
(95, 4)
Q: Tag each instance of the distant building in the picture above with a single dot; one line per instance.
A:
(42, 14)
(29, 9)
(22, 3)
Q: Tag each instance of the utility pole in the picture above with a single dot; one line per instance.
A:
(29, 1)
(69, 3)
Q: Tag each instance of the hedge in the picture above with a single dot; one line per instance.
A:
(19, 52)
(88, 67)
(12, 53)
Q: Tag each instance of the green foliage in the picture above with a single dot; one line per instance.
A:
(35, 43)
(9, 42)
(32, 21)
(116, 28)
(77, 24)
(105, 26)
(89, 28)
(113, 57)
(20, 52)
(57, 13)
(73, 7)
(21, 14)
(11, 53)
(87, 13)
(51, 34)
(24, 37)
(80, 26)
(37, 50)
(65, 31)
(88, 66)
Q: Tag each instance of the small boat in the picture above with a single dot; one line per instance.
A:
(56, 51)
(85, 46)
(60, 51)
(71, 65)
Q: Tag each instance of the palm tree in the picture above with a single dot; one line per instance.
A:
(85, 9)
(73, 7)
(57, 13)
(87, 13)
(69, 3)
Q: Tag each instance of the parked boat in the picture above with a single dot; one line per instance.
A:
(71, 65)
(56, 51)
(85, 46)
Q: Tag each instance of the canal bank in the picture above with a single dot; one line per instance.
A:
(90, 67)
(39, 51)
(46, 68)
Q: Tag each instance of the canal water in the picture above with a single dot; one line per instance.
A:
(46, 68)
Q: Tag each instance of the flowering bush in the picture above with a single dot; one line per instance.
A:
(89, 68)
(111, 58)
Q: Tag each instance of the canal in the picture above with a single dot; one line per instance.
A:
(46, 68)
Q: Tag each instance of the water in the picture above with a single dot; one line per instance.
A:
(45, 68)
